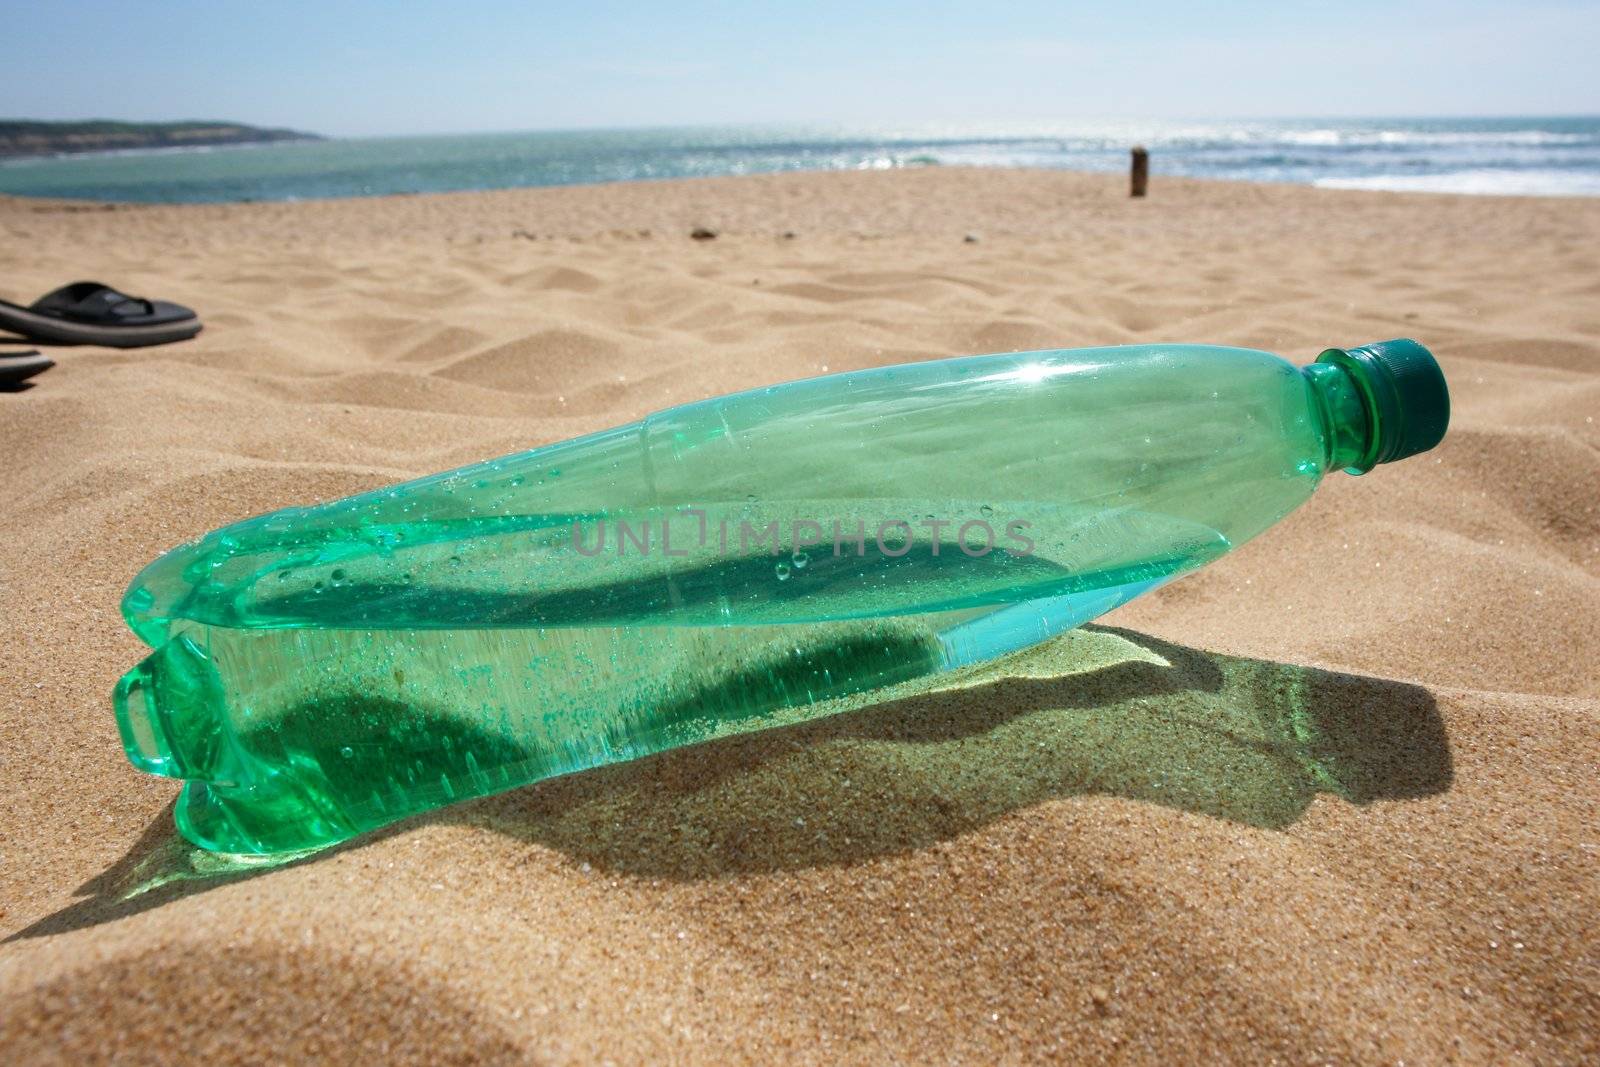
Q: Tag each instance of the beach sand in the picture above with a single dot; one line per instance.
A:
(1332, 799)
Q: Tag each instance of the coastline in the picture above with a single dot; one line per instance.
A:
(32, 139)
(1009, 202)
(1116, 845)
(156, 151)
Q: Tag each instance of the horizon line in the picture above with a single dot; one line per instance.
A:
(863, 125)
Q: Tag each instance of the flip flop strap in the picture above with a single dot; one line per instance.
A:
(93, 301)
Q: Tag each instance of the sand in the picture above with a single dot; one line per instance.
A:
(1334, 798)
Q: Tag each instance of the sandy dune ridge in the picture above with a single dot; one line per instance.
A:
(1332, 798)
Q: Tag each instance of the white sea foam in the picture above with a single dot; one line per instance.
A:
(1481, 182)
(1422, 138)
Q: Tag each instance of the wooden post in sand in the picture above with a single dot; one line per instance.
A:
(1140, 171)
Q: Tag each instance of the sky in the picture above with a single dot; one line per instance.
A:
(425, 66)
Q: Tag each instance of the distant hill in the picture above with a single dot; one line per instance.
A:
(23, 138)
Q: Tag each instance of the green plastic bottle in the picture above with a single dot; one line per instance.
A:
(715, 568)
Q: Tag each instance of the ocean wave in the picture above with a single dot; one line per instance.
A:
(1431, 138)
(1481, 182)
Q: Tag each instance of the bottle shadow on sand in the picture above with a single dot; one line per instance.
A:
(1098, 711)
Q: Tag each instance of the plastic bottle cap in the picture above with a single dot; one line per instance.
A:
(1407, 400)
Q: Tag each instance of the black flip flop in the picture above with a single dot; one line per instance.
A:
(18, 367)
(89, 313)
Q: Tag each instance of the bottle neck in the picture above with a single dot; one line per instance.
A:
(1346, 429)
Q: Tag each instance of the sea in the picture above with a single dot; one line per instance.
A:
(1515, 156)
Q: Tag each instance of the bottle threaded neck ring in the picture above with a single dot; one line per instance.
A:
(1407, 400)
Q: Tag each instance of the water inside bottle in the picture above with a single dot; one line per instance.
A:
(501, 654)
